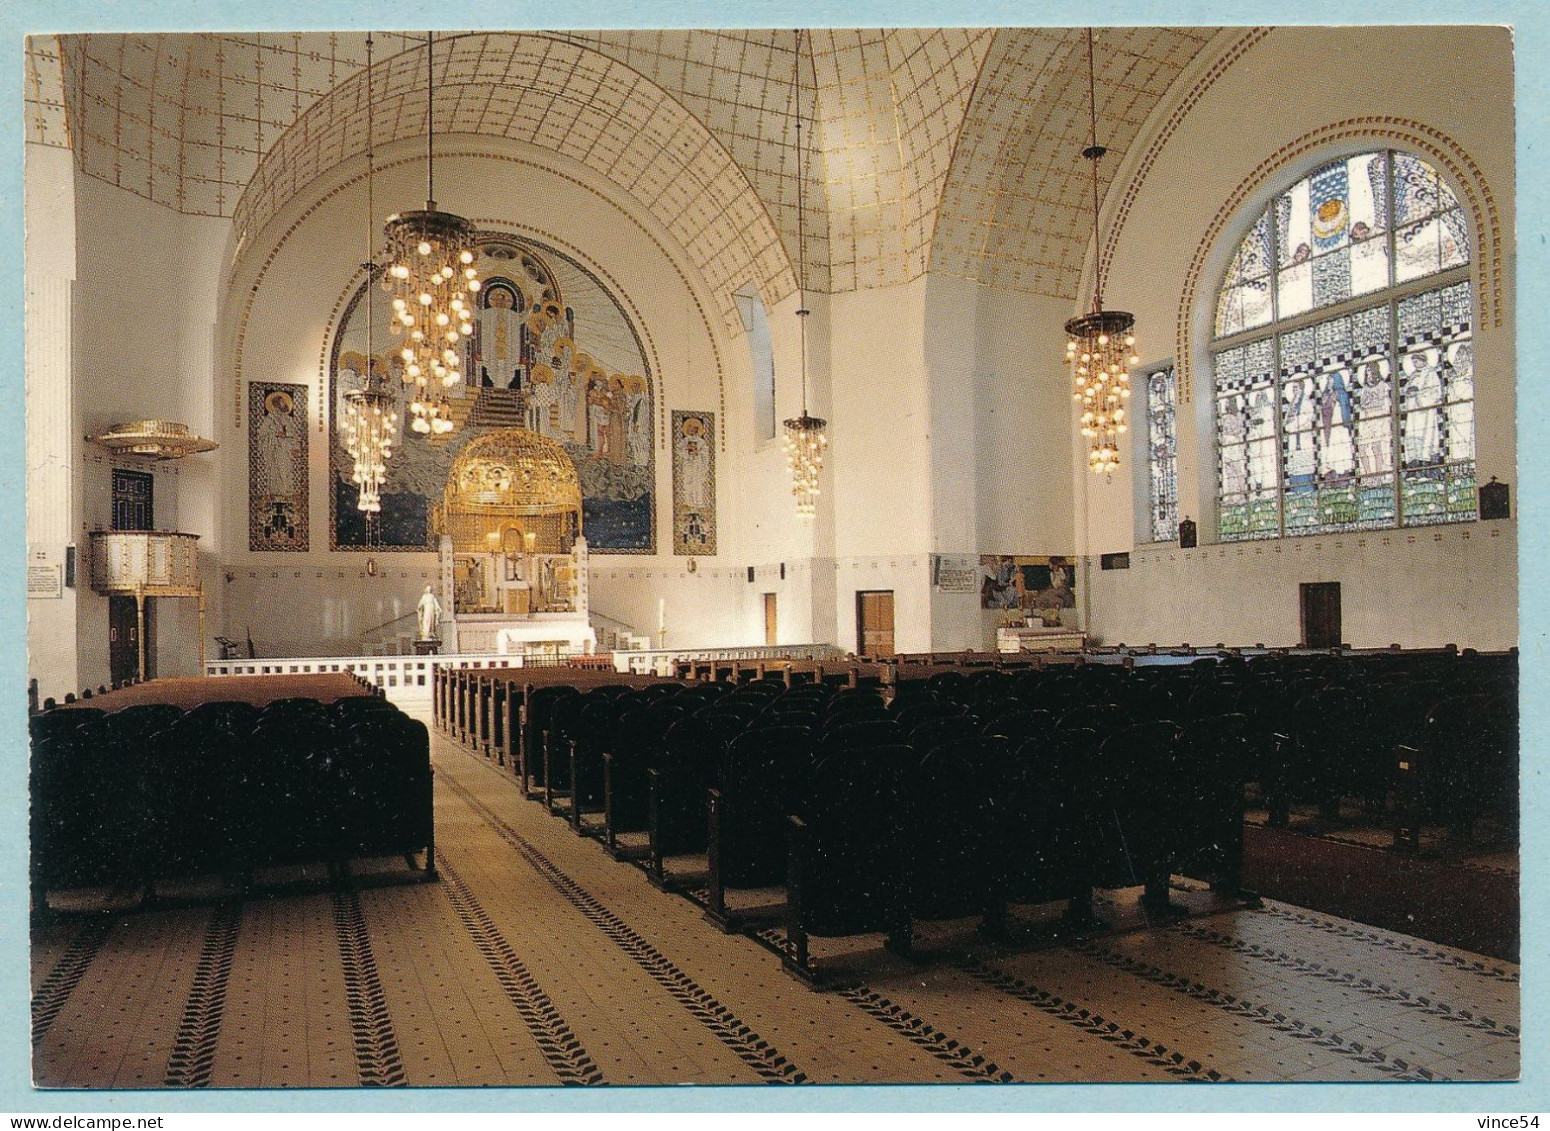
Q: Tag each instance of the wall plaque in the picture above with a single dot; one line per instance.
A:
(956, 573)
(44, 581)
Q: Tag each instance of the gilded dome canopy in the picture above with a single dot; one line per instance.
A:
(512, 471)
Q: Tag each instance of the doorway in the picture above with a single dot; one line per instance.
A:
(1321, 614)
(874, 622)
(124, 639)
(770, 634)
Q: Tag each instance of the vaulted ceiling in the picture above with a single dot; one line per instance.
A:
(949, 150)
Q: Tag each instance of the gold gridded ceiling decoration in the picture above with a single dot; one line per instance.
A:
(948, 145)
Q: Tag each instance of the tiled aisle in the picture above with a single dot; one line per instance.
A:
(537, 960)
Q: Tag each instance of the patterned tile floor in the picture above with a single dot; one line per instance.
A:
(538, 960)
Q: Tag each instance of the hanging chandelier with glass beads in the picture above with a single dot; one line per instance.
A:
(434, 284)
(1100, 345)
(1099, 350)
(370, 418)
(806, 437)
(370, 428)
(806, 441)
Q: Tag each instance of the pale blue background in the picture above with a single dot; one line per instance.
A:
(1531, 18)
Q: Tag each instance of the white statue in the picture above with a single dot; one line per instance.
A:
(430, 615)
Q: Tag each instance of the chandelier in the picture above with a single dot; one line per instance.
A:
(806, 436)
(433, 282)
(1100, 345)
(370, 427)
(370, 419)
(432, 414)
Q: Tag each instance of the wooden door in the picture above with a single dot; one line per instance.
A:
(770, 634)
(874, 622)
(123, 639)
(1321, 614)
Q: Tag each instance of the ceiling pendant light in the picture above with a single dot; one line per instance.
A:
(434, 284)
(806, 436)
(1100, 345)
(370, 419)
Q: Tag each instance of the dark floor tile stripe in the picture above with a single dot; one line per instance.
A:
(1355, 1051)
(559, 1044)
(67, 974)
(1408, 999)
(378, 1061)
(1094, 1024)
(719, 1021)
(193, 1048)
(1389, 943)
(960, 1057)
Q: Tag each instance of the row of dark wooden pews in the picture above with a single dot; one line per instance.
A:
(975, 789)
(155, 792)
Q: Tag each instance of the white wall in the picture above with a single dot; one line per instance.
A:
(763, 527)
(702, 608)
(144, 315)
(1025, 424)
(868, 375)
(881, 469)
(120, 330)
(52, 450)
(1418, 588)
(1411, 587)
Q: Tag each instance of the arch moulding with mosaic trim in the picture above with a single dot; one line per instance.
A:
(1134, 179)
(1461, 171)
(505, 228)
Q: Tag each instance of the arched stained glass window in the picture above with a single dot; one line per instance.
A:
(1342, 361)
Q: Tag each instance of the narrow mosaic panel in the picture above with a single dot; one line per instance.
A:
(694, 482)
(277, 467)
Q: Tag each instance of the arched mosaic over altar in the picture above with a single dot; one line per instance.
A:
(552, 351)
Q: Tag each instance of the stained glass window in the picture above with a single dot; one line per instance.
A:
(1344, 374)
(1436, 407)
(1162, 454)
(1246, 442)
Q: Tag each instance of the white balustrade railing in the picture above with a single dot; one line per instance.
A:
(403, 679)
(410, 679)
(661, 661)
